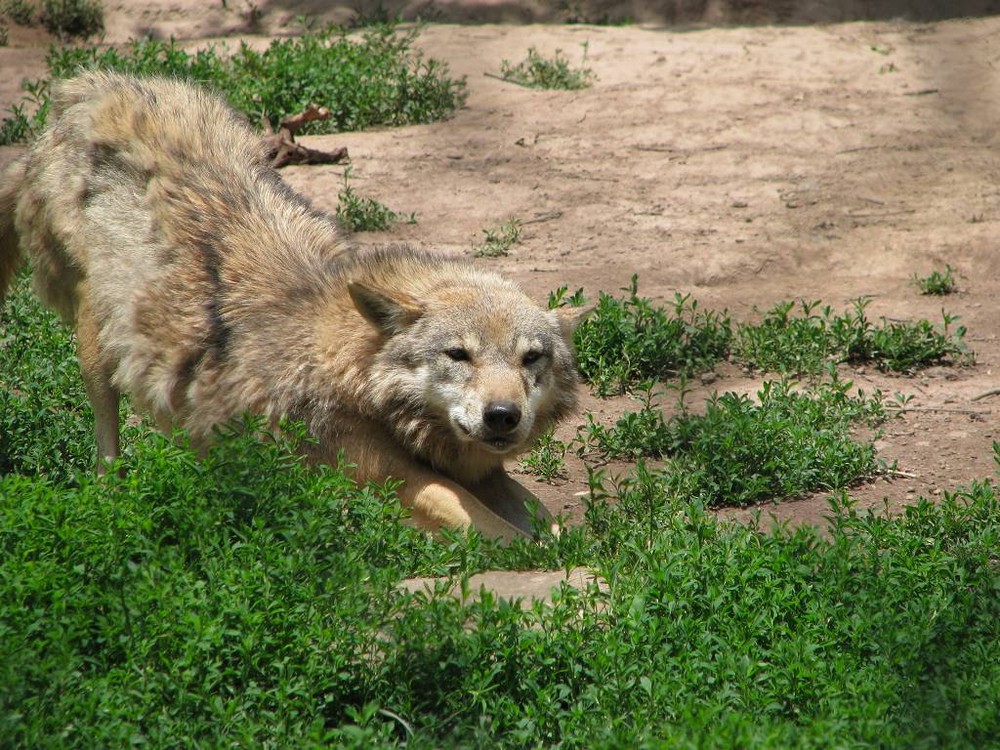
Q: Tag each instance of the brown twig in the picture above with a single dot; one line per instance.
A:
(943, 410)
(310, 114)
(282, 149)
(986, 394)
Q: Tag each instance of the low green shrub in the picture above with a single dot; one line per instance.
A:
(377, 79)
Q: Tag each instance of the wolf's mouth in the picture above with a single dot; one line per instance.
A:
(496, 443)
(499, 443)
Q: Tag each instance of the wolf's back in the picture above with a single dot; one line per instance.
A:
(156, 123)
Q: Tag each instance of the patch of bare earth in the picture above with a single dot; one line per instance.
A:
(743, 165)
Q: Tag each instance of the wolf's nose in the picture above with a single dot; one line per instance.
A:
(502, 416)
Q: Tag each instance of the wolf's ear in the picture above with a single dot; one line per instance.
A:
(568, 318)
(389, 312)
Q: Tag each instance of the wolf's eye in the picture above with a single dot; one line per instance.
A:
(457, 354)
(531, 357)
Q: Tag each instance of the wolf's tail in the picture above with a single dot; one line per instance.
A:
(10, 250)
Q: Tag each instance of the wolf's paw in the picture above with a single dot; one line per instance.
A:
(446, 505)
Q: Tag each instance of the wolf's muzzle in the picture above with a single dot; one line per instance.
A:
(501, 417)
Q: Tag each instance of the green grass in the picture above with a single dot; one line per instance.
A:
(538, 72)
(938, 283)
(246, 600)
(358, 213)
(72, 19)
(374, 79)
(44, 415)
(21, 12)
(808, 342)
(499, 239)
(782, 444)
(630, 339)
(547, 458)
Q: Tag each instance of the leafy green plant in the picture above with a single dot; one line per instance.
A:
(499, 239)
(44, 415)
(938, 282)
(375, 80)
(547, 458)
(21, 12)
(373, 13)
(561, 298)
(742, 451)
(784, 341)
(628, 340)
(358, 213)
(70, 19)
(539, 72)
(898, 347)
(625, 341)
(27, 118)
(814, 338)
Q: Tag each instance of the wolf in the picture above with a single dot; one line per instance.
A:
(201, 285)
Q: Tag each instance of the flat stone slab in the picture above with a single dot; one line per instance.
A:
(527, 586)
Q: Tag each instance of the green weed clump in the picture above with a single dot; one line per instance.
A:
(938, 283)
(539, 72)
(547, 458)
(27, 118)
(375, 80)
(44, 415)
(790, 341)
(741, 451)
(233, 599)
(899, 347)
(71, 19)
(498, 240)
(806, 343)
(244, 600)
(628, 340)
(21, 12)
(358, 213)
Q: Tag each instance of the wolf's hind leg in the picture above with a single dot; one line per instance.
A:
(10, 249)
(103, 396)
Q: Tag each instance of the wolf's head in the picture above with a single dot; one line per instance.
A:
(473, 355)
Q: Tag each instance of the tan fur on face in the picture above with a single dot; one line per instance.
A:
(200, 284)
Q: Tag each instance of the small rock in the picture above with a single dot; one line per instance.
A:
(521, 586)
(940, 372)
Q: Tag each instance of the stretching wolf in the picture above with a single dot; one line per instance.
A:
(204, 287)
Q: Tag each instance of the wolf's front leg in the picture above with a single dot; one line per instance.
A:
(508, 499)
(435, 502)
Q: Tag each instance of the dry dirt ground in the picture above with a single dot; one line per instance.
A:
(742, 165)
